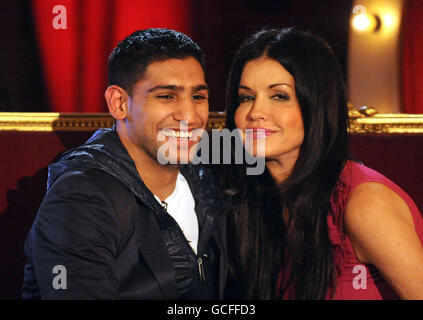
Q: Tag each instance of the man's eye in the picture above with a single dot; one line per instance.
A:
(245, 98)
(199, 97)
(165, 96)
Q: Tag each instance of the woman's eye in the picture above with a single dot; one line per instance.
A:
(281, 97)
(245, 98)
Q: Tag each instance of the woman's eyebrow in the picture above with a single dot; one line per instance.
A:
(270, 86)
(280, 84)
(244, 87)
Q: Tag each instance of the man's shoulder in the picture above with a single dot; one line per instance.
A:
(90, 181)
(86, 175)
(89, 193)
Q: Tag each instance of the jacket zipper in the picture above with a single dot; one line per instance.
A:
(201, 268)
(201, 272)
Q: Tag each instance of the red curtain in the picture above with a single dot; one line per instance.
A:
(75, 59)
(412, 56)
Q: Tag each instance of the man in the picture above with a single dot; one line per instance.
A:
(117, 224)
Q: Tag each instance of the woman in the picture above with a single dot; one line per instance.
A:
(314, 225)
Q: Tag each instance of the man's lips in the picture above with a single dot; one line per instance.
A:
(182, 138)
(178, 133)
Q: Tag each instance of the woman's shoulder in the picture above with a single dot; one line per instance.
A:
(356, 173)
(372, 183)
(367, 195)
(374, 199)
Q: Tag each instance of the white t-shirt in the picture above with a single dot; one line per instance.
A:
(180, 205)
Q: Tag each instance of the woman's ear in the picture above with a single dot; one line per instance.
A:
(117, 99)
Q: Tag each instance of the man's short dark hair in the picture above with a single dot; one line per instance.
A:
(129, 60)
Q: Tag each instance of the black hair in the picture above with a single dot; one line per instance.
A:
(261, 240)
(129, 60)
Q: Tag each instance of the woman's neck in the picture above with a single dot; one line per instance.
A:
(281, 167)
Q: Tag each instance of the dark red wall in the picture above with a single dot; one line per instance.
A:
(218, 26)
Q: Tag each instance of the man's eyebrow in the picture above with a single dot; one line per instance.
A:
(177, 88)
(201, 87)
(166, 87)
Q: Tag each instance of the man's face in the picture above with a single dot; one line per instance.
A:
(172, 92)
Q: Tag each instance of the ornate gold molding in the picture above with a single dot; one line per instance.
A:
(363, 121)
(50, 121)
(367, 120)
(217, 120)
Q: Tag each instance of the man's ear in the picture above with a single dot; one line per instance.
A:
(117, 99)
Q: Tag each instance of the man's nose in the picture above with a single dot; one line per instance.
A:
(185, 111)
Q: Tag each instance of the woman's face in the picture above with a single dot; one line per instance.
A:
(268, 102)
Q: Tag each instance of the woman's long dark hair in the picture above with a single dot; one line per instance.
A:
(261, 242)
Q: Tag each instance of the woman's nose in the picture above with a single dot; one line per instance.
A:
(258, 110)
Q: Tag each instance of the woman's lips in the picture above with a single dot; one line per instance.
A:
(259, 133)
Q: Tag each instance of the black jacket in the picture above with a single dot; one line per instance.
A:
(100, 222)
